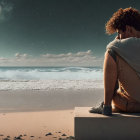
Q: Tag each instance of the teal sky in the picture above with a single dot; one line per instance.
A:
(37, 27)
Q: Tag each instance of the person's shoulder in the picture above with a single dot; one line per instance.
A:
(114, 43)
(130, 41)
(117, 43)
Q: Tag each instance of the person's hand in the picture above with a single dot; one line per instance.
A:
(117, 37)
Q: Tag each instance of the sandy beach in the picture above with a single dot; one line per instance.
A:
(39, 114)
(35, 125)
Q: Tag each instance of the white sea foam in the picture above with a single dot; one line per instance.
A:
(38, 78)
(66, 73)
(50, 84)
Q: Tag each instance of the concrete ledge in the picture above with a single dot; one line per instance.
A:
(90, 126)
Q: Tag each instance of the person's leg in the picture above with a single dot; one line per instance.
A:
(127, 98)
(120, 102)
(110, 78)
(125, 103)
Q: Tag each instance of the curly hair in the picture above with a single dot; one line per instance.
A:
(121, 18)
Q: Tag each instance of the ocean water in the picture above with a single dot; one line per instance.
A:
(45, 78)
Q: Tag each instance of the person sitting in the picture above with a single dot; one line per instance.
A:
(122, 64)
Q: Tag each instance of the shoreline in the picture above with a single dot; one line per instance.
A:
(36, 100)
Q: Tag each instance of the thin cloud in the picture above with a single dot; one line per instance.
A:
(69, 59)
(21, 56)
(3, 59)
(78, 54)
